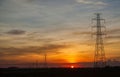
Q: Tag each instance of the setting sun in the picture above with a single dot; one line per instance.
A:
(71, 66)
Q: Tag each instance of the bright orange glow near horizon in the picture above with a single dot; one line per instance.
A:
(72, 66)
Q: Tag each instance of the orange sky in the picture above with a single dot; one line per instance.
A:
(61, 28)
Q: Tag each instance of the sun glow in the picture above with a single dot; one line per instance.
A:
(72, 66)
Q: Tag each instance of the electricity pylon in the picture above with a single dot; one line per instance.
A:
(45, 59)
(99, 56)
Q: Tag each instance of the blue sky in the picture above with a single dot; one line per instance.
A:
(64, 24)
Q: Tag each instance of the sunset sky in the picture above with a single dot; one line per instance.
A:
(61, 28)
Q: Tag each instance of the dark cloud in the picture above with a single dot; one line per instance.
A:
(49, 48)
(0, 34)
(16, 32)
(79, 33)
(32, 36)
(114, 31)
(110, 37)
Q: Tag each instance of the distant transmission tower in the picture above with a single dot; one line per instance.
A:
(37, 64)
(99, 56)
(45, 60)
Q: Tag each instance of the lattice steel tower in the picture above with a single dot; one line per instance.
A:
(45, 59)
(99, 56)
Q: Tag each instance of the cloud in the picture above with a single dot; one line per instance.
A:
(91, 2)
(13, 51)
(113, 37)
(114, 31)
(16, 32)
(113, 34)
(113, 42)
(81, 33)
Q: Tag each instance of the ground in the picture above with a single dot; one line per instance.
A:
(60, 72)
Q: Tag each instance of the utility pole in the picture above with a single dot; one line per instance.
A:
(36, 65)
(99, 54)
(45, 57)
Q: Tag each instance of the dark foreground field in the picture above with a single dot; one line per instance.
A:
(61, 72)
